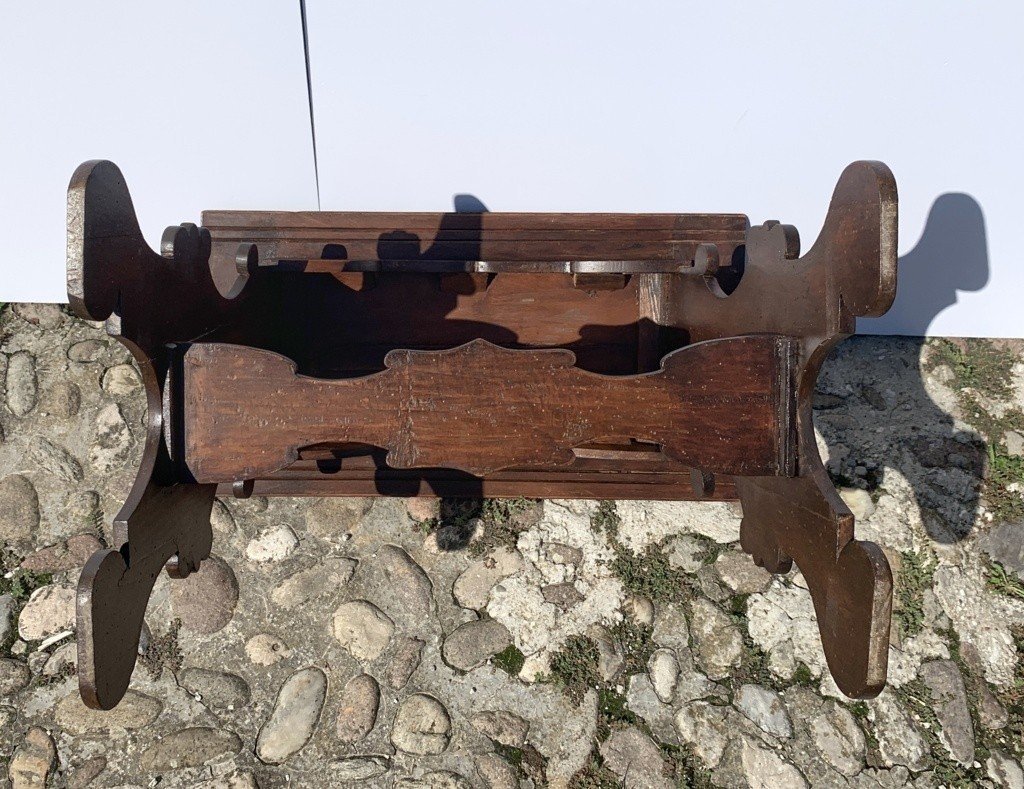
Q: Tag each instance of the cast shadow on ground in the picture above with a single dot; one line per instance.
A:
(925, 445)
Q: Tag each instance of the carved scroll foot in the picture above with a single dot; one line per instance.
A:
(168, 526)
(803, 520)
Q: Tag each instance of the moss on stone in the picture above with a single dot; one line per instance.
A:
(612, 712)
(737, 608)
(710, 550)
(753, 668)
(163, 652)
(594, 776)
(649, 573)
(917, 698)
(574, 667)
(1011, 737)
(986, 740)
(912, 580)
(527, 762)
(510, 660)
(512, 755)
(803, 675)
(1004, 583)
(534, 765)
(976, 364)
(606, 520)
(636, 641)
(859, 710)
(19, 584)
(686, 767)
(502, 521)
(983, 371)
(991, 426)
(1004, 483)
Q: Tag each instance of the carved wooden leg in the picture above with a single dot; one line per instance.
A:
(803, 519)
(168, 526)
(150, 302)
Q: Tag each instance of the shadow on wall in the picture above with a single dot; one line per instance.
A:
(950, 256)
(468, 204)
(941, 462)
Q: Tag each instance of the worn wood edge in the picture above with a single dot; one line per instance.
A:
(866, 190)
(100, 213)
(103, 679)
(805, 520)
(88, 687)
(111, 268)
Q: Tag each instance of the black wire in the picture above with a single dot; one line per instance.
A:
(309, 93)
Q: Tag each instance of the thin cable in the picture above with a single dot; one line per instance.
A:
(309, 93)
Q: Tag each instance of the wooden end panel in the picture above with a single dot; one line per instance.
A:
(722, 406)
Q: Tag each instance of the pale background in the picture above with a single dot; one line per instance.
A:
(569, 105)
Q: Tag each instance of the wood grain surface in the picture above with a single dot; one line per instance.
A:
(480, 408)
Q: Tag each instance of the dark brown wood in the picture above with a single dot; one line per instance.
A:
(147, 300)
(630, 356)
(598, 471)
(331, 242)
(168, 527)
(850, 271)
(534, 486)
(479, 408)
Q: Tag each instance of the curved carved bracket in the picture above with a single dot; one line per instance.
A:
(852, 265)
(154, 299)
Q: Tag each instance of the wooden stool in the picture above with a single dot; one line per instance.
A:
(610, 356)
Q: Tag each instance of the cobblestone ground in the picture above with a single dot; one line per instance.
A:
(522, 643)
